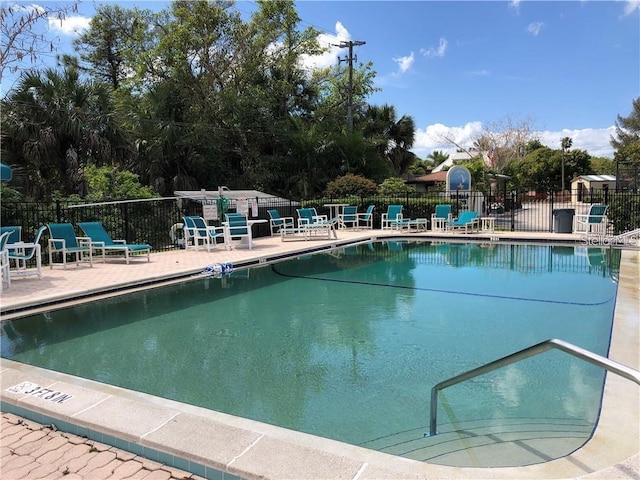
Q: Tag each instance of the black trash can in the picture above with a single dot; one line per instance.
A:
(563, 220)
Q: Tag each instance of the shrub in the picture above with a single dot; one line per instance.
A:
(350, 184)
(394, 186)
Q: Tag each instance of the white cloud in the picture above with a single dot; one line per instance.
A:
(631, 6)
(479, 73)
(436, 52)
(69, 25)
(515, 4)
(594, 141)
(534, 28)
(330, 57)
(404, 63)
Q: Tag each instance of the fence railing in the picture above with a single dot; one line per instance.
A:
(154, 221)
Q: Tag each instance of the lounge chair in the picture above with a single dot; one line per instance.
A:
(196, 232)
(595, 221)
(391, 217)
(440, 217)
(63, 240)
(236, 226)
(5, 277)
(307, 216)
(276, 222)
(349, 217)
(365, 220)
(21, 253)
(467, 220)
(101, 240)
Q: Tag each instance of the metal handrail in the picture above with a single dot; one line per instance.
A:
(607, 364)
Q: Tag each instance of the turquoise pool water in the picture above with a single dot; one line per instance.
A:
(347, 345)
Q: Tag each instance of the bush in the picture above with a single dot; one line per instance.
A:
(350, 184)
(394, 186)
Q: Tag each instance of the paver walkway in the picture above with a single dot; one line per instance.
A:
(33, 451)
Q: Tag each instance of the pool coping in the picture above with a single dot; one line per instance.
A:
(250, 449)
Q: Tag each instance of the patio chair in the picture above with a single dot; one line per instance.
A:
(595, 221)
(5, 277)
(101, 240)
(15, 233)
(467, 220)
(196, 232)
(312, 225)
(276, 222)
(63, 240)
(391, 217)
(308, 216)
(21, 253)
(440, 217)
(365, 220)
(349, 217)
(236, 226)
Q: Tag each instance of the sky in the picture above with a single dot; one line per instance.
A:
(567, 68)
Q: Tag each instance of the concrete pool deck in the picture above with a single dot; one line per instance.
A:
(233, 447)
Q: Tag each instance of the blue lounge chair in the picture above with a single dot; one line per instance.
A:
(440, 217)
(101, 240)
(595, 221)
(391, 217)
(276, 222)
(236, 226)
(63, 240)
(196, 232)
(312, 225)
(467, 220)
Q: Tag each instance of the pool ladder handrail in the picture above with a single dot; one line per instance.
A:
(595, 359)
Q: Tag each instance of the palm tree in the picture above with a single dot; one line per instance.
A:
(565, 143)
(54, 125)
(391, 138)
(437, 157)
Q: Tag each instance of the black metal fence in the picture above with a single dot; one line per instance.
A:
(155, 221)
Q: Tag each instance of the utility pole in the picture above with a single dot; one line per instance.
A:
(349, 59)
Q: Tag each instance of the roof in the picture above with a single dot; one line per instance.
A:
(596, 178)
(430, 178)
(199, 195)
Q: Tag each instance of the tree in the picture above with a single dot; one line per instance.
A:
(394, 186)
(351, 184)
(115, 42)
(391, 138)
(565, 144)
(54, 125)
(627, 140)
(437, 157)
(504, 141)
(19, 35)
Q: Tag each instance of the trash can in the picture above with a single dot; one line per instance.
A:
(563, 220)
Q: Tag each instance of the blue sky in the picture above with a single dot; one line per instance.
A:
(567, 67)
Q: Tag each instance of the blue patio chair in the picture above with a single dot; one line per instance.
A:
(312, 225)
(21, 253)
(365, 220)
(15, 233)
(276, 222)
(349, 217)
(196, 232)
(63, 240)
(595, 221)
(236, 226)
(308, 216)
(101, 240)
(467, 220)
(440, 217)
(391, 217)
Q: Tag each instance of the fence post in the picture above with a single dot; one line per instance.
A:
(126, 223)
(513, 210)
(58, 212)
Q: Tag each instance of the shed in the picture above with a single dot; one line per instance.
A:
(586, 184)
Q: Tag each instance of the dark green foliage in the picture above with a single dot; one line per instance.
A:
(350, 184)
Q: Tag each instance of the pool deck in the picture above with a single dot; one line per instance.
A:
(235, 447)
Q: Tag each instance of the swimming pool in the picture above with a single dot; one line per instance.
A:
(323, 343)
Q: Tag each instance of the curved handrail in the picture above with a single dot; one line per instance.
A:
(607, 364)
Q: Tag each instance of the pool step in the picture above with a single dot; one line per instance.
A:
(517, 442)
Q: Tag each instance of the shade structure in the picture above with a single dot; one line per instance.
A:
(5, 172)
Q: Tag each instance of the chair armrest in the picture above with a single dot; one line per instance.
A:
(57, 244)
(123, 242)
(86, 241)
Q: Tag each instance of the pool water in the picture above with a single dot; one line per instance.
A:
(348, 345)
